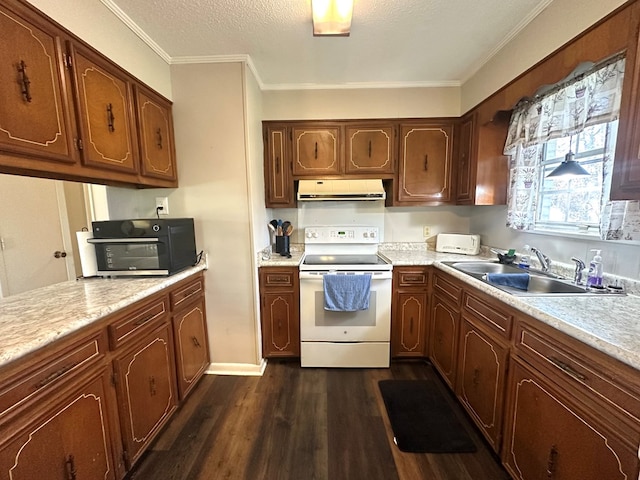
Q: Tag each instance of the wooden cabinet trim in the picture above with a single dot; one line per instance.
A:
(186, 293)
(448, 287)
(491, 316)
(122, 331)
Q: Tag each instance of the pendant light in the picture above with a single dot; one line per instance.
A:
(332, 17)
(569, 167)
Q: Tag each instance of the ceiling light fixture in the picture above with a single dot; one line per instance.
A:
(332, 17)
(568, 168)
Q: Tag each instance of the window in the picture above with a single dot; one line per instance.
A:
(573, 204)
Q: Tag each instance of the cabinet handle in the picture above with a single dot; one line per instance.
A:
(195, 341)
(369, 148)
(54, 375)
(551, 462)
(110, 118)
(411, 326)
(152, 386)
(159, 136)
(24, 80)
(476, 377)
(144, 320)
(277, 165)
(567, 369)
(316, 151)
(426, 162)
(71, 468)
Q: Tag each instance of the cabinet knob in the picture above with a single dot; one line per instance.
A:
(59, 254)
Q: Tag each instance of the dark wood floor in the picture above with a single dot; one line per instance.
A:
(303, 424)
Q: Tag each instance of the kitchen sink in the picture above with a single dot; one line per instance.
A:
(540, 283)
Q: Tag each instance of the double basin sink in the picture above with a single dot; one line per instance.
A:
(540, 283)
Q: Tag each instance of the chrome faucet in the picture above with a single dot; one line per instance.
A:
(545, 262)
(580, 266)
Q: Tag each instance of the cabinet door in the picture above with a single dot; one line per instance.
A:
(277, 169)
(192, 351)
(482, 367)
(548, 435)
(34, 113)
(370, 149)
(105, 112)
(146, 389)
(72, 440)
(280, 325)
(155, 132)
(425, 163)
(466, 162)
(443, 339)
(316, 150)
(409, 325)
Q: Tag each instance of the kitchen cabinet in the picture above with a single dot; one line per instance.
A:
(154, 120)
(482, 363)
(482, 168)
(279, 187)
(445, 326)
(104, 98)
(572, 412)
(370, 148)
(410, 312)
(144, 366)
(42, 406)
(67, 112)
(280, 311)
(316, 149)
(426, 163)
(190, 333)
(36, 119)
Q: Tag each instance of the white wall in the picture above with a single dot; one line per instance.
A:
(94, 23)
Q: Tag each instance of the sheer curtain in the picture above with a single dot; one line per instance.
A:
(590, 98)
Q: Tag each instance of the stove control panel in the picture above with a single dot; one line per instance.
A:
(341, 235)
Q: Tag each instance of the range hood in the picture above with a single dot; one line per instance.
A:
(319, 190)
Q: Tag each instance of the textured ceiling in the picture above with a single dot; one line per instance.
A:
(392, 42)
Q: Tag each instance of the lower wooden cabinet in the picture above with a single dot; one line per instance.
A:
(443, 338)
(482, 368)
(550, 434)
(410, 312)
(71, 439)
(280, 311)
(146, 389)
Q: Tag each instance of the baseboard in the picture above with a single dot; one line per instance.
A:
(240, 369)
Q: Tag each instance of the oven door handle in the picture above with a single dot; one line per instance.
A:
(124, 240)
(378, 275)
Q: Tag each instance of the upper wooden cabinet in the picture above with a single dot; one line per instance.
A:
(426, 163)
(155, 134)
(316, 150)
(35, 119)
(370, 148)
(277, 168)
(67, 112)
(104, 98)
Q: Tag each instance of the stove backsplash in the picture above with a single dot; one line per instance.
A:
(341, 213)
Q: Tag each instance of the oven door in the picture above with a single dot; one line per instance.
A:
(131, 256)
(320, 325)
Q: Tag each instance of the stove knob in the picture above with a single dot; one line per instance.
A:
(308, 234)
(372, 234)
(365, 235)
(315, 234)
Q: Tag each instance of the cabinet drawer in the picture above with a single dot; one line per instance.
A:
(490, 316)
(587, 374)
(278, 278)
(417, 277)
(55, 367)
(448, 290)
(125, 329)
(183, 294)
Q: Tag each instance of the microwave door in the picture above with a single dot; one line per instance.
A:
(131, 256)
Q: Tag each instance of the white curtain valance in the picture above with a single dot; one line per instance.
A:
(591, 99)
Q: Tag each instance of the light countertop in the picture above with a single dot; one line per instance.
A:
(36, 318)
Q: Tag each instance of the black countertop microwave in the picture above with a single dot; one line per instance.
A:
(144, 247)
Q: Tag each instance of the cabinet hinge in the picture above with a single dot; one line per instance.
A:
(114, 379)
(125, 456)
(79, 145)
(67, 61)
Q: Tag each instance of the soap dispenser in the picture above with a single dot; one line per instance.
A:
(594, 278)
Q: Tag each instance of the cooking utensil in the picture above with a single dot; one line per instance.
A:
(285, 226)
(274, 224)
(279, 227)
(289, 230)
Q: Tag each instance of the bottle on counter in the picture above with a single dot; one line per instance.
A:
(594, 277)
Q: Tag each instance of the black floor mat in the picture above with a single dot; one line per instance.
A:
(421, 418)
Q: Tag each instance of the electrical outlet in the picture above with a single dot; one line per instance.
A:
(164, 203)
(426, 231)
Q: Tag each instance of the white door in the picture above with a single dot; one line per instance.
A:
(31, 231)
